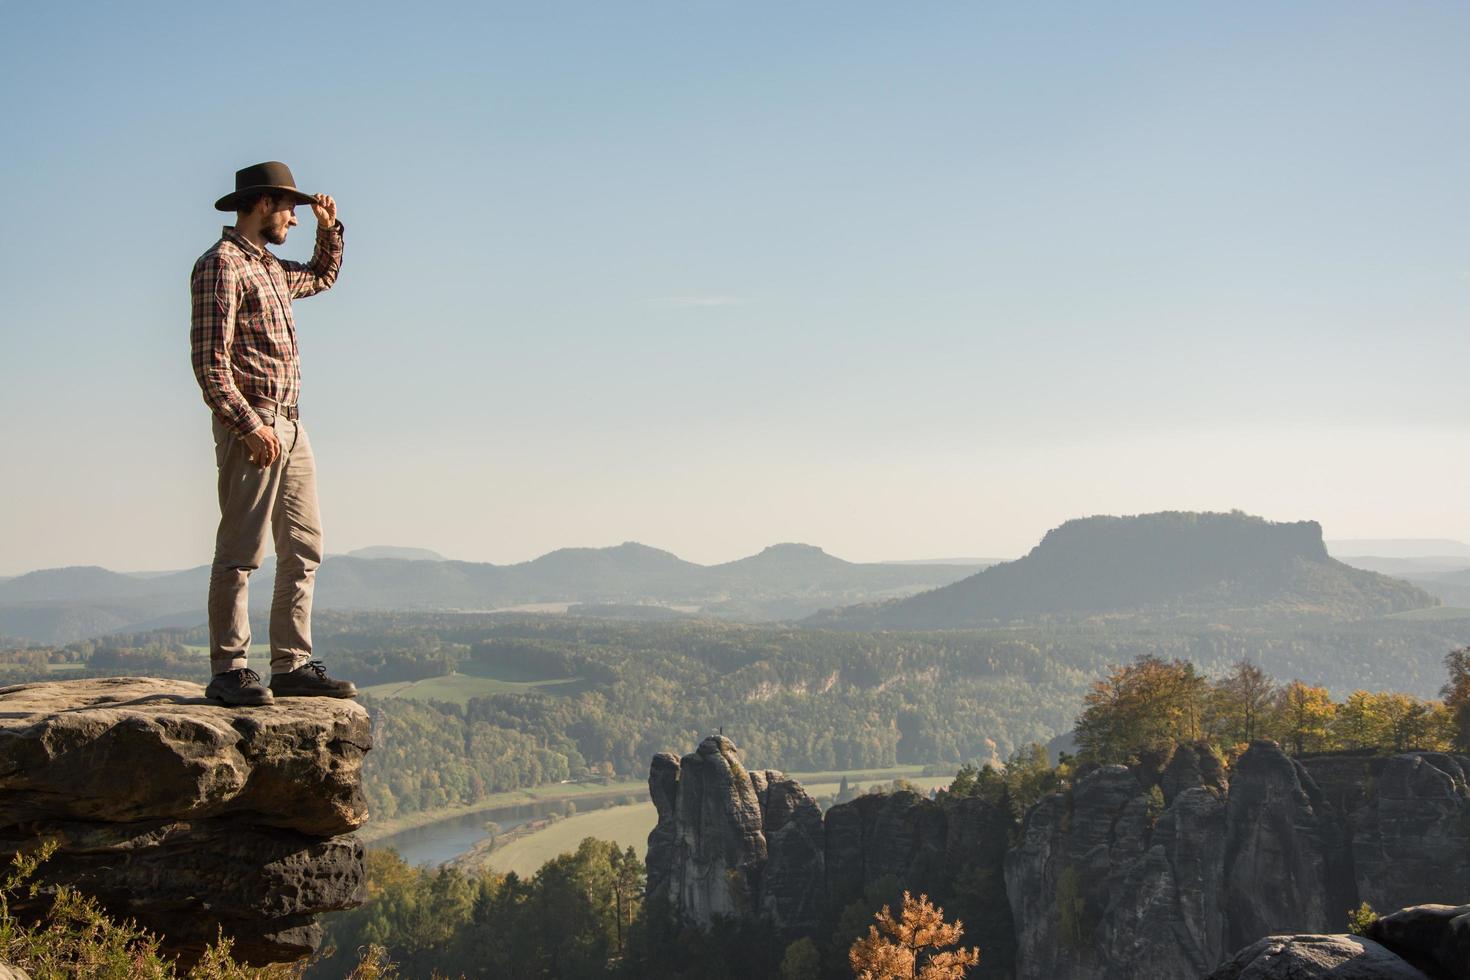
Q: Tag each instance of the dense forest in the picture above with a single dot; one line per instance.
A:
(566, 698)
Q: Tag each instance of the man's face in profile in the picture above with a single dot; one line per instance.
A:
(280, 217)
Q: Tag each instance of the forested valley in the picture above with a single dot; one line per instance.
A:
(583, 914)
(470, 705)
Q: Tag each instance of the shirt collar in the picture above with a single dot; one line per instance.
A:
(249, 247)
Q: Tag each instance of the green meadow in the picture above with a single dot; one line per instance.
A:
(473, 680)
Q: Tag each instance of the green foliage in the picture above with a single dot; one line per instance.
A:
(794, 699)
(1456, 695)
(1028, 777)
(857, 914)
(964, 782)
(1304, 717)
(1360, 918)
(802, 961)
(578, 916)
(1391, 722)
(1150, 705)
(1071, 909)
(76, 938)
(1155, 805)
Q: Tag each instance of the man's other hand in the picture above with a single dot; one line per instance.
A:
(263, 445)
(325, 210)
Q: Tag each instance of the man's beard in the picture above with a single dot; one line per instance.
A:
(276, 236)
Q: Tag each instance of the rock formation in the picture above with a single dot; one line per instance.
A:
(1411, 839)
(1337, 957)
(187, 816)
(1427, 942)
(1434, 937)
(731, 842)
(1101, 887)
(1149, 873)
(1282, 830)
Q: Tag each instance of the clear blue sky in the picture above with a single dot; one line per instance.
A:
(901, 280)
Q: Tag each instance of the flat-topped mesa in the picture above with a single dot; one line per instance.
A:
(189, 817)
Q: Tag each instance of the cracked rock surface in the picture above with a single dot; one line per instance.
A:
(185, 815)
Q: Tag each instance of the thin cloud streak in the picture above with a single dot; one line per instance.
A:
(694, 302)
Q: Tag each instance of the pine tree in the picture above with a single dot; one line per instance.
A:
(908, 948)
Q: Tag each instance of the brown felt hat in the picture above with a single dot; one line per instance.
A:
(269, 176)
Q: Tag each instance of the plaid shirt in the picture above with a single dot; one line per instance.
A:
(242, 334)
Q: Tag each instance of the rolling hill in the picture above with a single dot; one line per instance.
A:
(782, 582)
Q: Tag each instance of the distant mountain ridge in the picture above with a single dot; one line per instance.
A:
(393, 551)
(784, 581)
(1171, 563)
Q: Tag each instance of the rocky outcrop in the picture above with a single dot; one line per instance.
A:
(1411, 837)
(1111, 883)
(731, 842)
(188, 817)
(1282, 830)
(1106, 884)
(1435, 938)
(1427, 942)
(1154, 872)
(790, 891)
(901, 834)
(1336, 957)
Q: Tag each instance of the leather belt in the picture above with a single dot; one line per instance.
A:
(289, 412)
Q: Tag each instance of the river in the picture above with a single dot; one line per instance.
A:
(444, 840)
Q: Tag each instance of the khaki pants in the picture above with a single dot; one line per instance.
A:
(280, 500)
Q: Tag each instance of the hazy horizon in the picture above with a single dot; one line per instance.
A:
(1355, 547)
(901, 282)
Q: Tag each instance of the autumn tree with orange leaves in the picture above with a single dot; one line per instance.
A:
(908, 948)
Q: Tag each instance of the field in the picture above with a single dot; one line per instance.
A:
(256, 650)
(1432, 614)
(459, 688)
(628, 825)
(816, 783)
(378, 829)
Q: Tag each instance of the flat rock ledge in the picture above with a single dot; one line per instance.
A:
(1309, 957)
(186, 816)
(1425, 942)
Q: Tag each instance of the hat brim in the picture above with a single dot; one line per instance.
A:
(228, 202)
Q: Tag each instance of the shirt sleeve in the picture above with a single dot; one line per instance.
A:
(214, 289)
(308, 278)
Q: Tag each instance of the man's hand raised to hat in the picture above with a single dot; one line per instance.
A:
(326, 211)
(263, 445)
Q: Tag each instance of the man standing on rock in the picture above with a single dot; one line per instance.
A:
(245, 359)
